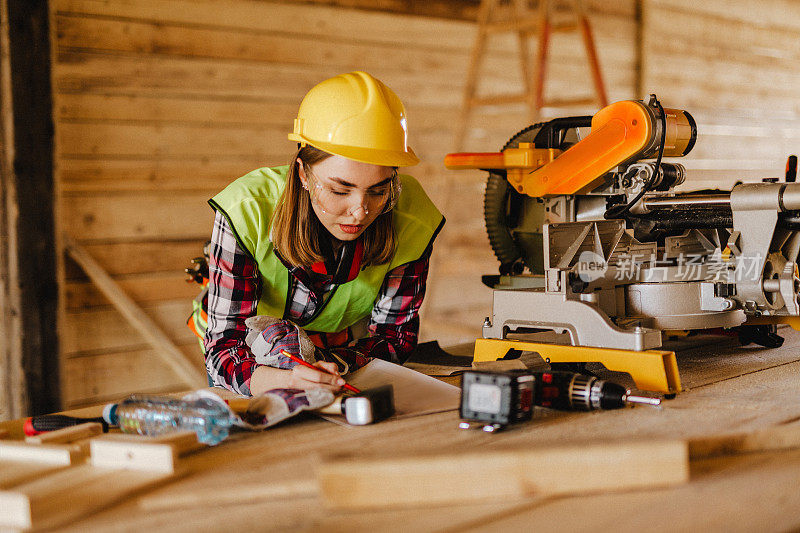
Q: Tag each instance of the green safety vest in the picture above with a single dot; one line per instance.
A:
(248, 204)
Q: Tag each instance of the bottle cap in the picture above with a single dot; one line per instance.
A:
(110, 414)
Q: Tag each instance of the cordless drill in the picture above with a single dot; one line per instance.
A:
(568, 391)
(498, 399)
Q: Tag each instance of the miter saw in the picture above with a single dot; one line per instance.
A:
(594, 242)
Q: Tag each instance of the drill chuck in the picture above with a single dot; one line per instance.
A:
(568, 391)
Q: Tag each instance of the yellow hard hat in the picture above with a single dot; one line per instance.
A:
(358, 117)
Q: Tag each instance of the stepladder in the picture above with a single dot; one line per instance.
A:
(539, 20)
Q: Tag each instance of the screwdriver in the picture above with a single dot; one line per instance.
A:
(568, 391)
(44, 423)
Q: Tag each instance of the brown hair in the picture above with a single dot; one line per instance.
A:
(296, 230)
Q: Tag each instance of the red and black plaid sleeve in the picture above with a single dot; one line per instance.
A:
(233, 293)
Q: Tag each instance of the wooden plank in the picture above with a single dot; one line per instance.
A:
(136, 140)
(731, 360)
(146, 454)
(771, 131)
(140, 257)
(234, 495)
(92, 379)
(749, 66)
(168, 352)
(353, 483)
(49, 454)
(571, 102)
(734, 495)
(776, 14)
(183, 215)
(690, 95)
(757, 75)
(736, 40)
(242, 11)
(67, 435)
(681, 89)
(116, 216)
(150, 38)
(388, 5)
(320, 20)
(317, 14)
(207, 111)
(141, 288)
(343, 49)
(722, 73)
(89, 72)
(64, 496)
(330, 22)
(784, 437)
(14, 473)
(109, 175)
(59, 202)
(105, 329)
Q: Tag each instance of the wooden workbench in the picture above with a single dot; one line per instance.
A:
(728, 389)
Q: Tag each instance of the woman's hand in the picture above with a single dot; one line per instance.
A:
(302, 377)
(266, 378)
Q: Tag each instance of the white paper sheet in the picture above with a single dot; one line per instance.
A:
(414, 393)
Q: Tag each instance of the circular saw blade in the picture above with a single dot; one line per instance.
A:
(513, 220)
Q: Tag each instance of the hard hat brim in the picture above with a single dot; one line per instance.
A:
(384, 158)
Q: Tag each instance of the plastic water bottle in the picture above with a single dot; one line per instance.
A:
(156, 415)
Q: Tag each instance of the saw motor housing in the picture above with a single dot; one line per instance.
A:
(594, 241)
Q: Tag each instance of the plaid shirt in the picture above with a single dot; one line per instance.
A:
(235, 288)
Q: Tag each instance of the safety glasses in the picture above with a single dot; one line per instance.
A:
(339, 200)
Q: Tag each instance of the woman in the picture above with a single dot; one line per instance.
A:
(335, 244)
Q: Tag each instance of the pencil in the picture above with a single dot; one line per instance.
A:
(309, 365)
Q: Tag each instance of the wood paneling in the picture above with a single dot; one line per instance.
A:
(146, 107)
(105, 174)
(139, 257)
(147, 215)
(102, 329)
(733, 66)
(94, 138)
(110, 376)
(142, 288)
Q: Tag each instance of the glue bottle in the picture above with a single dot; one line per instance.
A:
(156, 415)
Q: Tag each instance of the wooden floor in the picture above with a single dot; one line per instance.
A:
(729, 389)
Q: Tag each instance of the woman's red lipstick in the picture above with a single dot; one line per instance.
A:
(348, 228)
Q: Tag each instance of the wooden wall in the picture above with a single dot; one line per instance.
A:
(161, 103)
(733, 66)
